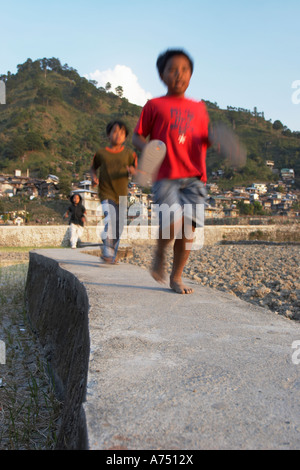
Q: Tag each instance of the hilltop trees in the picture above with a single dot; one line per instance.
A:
(277, 125)
(40, 66)
(119, 91)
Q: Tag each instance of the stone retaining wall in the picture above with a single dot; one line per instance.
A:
(58, 235)
(57, 306)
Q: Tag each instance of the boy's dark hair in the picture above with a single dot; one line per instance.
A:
(121, 124)
(72, 197)
(167, 55)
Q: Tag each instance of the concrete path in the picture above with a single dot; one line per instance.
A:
(170, 371)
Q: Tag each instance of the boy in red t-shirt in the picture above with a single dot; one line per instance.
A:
(182, 124)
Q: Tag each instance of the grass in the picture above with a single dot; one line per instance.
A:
(25, 249)
(276, 236)
(41, 210)
(29, 411)
(15, 249)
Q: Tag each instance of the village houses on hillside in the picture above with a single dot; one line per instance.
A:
(275, 198)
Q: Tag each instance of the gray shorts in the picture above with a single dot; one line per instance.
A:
(184, 197)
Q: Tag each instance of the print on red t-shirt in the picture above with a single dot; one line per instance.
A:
(182, 124)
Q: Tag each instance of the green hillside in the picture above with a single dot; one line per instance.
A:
(54, 120)
(264, 141)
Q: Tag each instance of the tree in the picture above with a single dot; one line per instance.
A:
(277, 125)
(15, 148)
(107, 86)
(124, 108)
(119, 91)
(47, 95)
(85, 93)
(54, 64)
(65, 185)
(244, 209)
(29, 69)
(33, 141)
(24, 67)
(258, 208)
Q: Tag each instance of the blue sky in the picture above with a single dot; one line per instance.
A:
(246, 54)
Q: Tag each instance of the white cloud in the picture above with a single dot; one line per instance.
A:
(122, 76)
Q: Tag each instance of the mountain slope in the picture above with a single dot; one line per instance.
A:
(54, 121)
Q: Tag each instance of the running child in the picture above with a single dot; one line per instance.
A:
(182, 124)
(77, 213)
(110, 169)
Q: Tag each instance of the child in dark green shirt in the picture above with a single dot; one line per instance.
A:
(114, 164)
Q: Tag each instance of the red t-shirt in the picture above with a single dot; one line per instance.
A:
(182, 124)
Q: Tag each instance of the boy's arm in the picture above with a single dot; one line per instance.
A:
(132, 168)
(94, 176)
(139, 141)
(66, 214)
(143, 128)
(83, 218)
(93, 172)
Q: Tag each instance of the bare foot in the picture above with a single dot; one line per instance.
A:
(158, 269)
(108, 260)
(180, 288)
